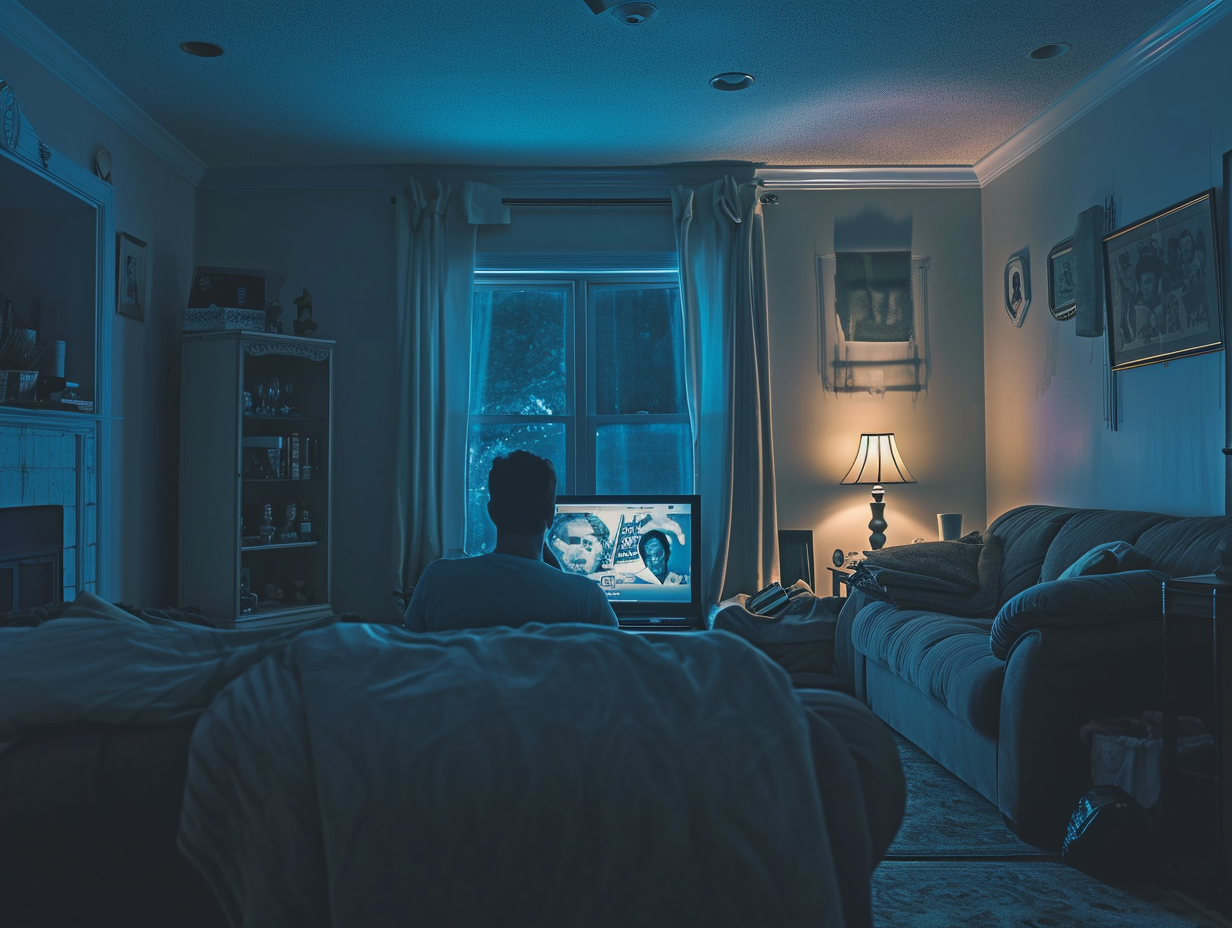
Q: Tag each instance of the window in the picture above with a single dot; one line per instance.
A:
(586, 370)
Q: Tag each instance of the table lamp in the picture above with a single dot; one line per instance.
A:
(878, 462)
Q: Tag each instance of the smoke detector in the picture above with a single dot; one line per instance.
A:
(631, 12)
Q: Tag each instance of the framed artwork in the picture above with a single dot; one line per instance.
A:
(1162, 286)
(1062, 287)
(1017, 288)
(130, 277)
(873, 331)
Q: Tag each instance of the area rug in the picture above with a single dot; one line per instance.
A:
(1008, 894)
(946, 818)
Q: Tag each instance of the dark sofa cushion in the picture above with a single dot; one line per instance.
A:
(1092, 527)
(943, 656)
(1186, 547)
(1025, 533)
(1101, 599)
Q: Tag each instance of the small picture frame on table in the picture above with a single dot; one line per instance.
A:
(1017, 288)
(1162, 286)
(130, 277)
(1062, 291)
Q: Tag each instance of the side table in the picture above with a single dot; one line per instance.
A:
(838, 576)
(1197, 755)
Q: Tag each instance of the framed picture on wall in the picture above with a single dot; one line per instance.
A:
(1062, 288)
(130, 277)
(1163, 298)
(1017, 288)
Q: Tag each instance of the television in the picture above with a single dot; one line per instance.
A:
(642, 550)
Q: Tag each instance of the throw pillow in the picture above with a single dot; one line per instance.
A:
(1100, 599)
(1108, 558)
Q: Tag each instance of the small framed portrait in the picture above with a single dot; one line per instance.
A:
(130, 277)
(1162, 286)
(1062, 295)
(1017, 288)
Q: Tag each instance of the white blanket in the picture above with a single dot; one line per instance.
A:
(101, 664)
(560, 775)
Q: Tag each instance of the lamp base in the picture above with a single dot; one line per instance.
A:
(877, 525)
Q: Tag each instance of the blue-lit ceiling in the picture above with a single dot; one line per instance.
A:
(311, 82)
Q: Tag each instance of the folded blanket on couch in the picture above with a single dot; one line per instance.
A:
(955, 577)
(547, 775)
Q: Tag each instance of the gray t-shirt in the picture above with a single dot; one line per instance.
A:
(502, 589)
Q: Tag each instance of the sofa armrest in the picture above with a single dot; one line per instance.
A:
(1056, 680)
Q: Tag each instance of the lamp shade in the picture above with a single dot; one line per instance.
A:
(878, 461)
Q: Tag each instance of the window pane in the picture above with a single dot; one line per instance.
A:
(518, 352)
(644, 458)
(485, 442)
(639, 351)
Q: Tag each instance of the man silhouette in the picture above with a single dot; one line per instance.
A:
(513, 585)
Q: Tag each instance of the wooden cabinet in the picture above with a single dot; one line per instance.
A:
(256, 430)
(1197, 774)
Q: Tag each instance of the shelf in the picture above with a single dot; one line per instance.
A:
(284, 479)
(280, 544)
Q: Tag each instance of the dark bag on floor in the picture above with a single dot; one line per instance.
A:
(1106, 835)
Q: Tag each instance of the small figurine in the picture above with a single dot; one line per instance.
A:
(288, 531)
(274, 593)
(303, 591)
(303, 314)
(273, 321)
(267, 530)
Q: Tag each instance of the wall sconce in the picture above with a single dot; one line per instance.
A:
(878, 462)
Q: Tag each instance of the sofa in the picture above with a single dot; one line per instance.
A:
(1059, 623)
(157, 771)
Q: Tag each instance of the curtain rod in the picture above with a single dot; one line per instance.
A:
(769, 199)
(587, 201)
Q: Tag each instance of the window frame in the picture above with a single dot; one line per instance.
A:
(581, 420)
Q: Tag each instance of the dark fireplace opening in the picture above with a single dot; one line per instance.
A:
(31, 556)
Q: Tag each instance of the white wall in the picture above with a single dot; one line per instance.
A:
(339, 244)
(154, 202)
(1158, 141)
(816, 432)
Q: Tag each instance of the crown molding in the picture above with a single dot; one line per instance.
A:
(28, 33)
(1173, 32)
(866, 178)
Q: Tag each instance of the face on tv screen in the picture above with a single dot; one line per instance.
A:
(639, 552)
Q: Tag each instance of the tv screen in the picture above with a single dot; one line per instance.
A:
(641, 550)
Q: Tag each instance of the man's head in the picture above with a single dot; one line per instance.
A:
(581, 541)
(1148, 272)
(521, 493)
(655, 549)
(1187, 246)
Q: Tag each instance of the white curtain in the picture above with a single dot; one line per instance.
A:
(720, 239)
(435, 239)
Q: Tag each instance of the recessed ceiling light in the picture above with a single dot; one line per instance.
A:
(635, 12)
(201, 49)
(731, 80)
(1051, 50)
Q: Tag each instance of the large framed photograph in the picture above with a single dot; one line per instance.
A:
(1062, 289)
(873, 331)
(130, 277)
(1162, 286)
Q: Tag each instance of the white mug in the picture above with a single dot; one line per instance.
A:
(949, 525)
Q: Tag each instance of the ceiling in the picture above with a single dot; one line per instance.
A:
(552, 84)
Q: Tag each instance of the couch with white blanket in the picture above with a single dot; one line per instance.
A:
(359, 774)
